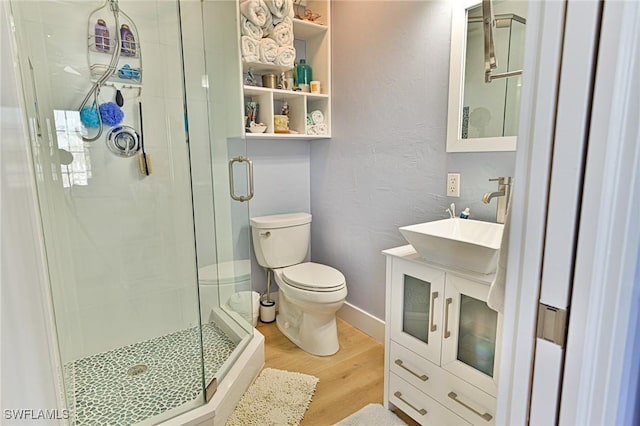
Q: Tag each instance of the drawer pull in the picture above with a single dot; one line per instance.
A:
(447, 303)
(423, 377)
(485, 416)
(398, 395)
(434, 296)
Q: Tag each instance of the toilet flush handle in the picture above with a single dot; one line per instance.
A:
(265, 234)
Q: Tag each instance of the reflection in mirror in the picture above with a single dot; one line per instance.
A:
(483, 116)
(492, 109)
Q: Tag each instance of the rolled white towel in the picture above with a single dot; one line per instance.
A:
(321, 129)
(286, 56)
(250, 29)
(291, 15)
(250, 49)
(257, 12)
(283, 33)
(279, 8)
(268, 51)
(311, 130)
(317, 117)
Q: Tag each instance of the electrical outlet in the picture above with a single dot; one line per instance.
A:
(453, 184)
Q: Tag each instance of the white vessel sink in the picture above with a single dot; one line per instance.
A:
(465, 244)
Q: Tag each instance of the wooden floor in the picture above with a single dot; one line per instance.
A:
(349, 380)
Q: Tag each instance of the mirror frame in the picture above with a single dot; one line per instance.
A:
(456, 89)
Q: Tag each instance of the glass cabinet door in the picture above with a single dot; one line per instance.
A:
(471, 338)
(417, 326)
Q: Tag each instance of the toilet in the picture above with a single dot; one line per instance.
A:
(310, 293)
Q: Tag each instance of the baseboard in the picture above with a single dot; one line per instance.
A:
(363, 321)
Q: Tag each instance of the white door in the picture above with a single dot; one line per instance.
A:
(574, 241)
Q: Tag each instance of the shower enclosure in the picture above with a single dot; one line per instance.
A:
(142, 262)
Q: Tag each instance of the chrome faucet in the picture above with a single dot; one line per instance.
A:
(504, 189)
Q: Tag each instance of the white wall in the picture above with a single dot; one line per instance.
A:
(28, 369)
(121, 249)
(386, 165)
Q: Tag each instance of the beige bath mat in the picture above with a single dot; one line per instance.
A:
(277, 397)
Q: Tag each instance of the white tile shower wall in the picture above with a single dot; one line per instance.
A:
(386, 164)
(130, 270)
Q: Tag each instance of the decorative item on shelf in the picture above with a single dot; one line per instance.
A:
(288, 82)
(102, 40)
(128, 42)
(285, 109)
(252, 112)
(250, 79)
(270, 81)
(311, 16)
(257, 127)
(281, 124)
(315, 87)
(305, 75)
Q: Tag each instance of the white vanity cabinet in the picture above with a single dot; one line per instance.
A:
(442, 342)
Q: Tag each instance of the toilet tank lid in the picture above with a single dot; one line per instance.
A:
(280, 220)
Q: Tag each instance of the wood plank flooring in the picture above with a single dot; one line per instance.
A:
(349, 380)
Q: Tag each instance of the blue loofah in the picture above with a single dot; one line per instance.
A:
(111, 114)
(89, 117)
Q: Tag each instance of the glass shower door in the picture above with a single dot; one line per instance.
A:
(210, 33)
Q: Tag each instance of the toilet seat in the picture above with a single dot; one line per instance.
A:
(314, 277)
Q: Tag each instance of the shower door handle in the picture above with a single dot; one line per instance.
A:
(249, 196)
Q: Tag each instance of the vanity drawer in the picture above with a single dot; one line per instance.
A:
(467, 401)
(414, 369)
(419, 406)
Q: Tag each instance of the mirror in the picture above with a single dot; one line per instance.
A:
(484, 116)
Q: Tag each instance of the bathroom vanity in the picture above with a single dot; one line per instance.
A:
(441, 342)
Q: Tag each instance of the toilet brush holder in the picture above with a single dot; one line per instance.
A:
(267, 311)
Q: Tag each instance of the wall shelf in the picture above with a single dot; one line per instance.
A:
(317, 53)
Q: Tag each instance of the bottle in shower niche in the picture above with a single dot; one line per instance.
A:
(101, 33)
(127, 41)
(304, 75)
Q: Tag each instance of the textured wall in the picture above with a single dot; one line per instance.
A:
(386, 163)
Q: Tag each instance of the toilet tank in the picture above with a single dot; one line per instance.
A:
(281, 240)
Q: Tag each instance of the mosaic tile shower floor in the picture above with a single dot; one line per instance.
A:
(106, 394)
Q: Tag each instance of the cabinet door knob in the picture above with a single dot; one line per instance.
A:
(422, 377)
(434, 296)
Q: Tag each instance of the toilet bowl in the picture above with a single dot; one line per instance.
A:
(310, 293)
(218, 282)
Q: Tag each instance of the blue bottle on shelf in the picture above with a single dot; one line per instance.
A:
(305, 75)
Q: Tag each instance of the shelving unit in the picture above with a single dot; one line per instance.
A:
(316, 50)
